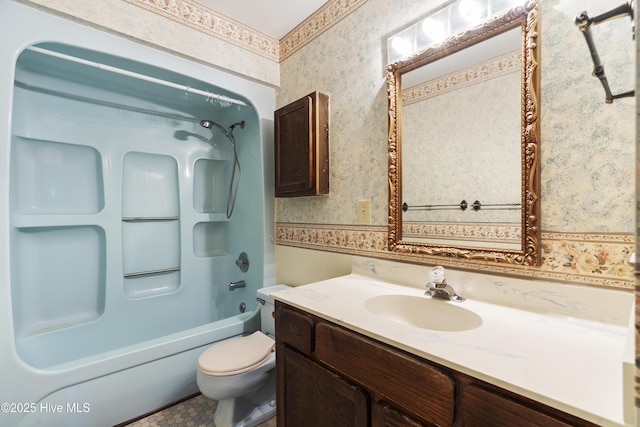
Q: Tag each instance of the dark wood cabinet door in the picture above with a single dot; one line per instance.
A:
(421, 389)
(294, 328)
(311, 396)
(301, 147)
(484, 408)
(384, 416)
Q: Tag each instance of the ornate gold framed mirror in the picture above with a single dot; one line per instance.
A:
(463, 144)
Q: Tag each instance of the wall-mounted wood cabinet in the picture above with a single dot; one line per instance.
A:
(302, 147)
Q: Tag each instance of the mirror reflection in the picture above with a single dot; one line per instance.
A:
(463, 144)
(442, 169)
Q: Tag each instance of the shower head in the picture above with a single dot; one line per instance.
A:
(233, 184)
(209, 124)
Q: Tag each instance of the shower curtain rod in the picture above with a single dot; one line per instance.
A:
(166, 115)
(138, 76)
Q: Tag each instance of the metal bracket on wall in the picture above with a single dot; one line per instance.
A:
(584, 24)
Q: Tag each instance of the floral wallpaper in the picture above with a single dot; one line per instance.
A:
(494, 234)
(587, 164)
(587, 167)
(581, 258)
(205, 19)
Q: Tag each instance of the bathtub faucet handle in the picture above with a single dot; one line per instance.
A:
(238, 284)
(243, 262)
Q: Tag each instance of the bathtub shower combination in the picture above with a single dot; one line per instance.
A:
(124, 213)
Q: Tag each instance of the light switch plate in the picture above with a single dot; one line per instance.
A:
(364, 211)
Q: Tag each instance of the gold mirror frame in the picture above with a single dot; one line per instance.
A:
(527, 18)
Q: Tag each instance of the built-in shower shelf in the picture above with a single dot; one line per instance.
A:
(149, 218)
(211, 217)
(210, 239)
(210, 182)
(52, 263)
(26, 221)
(151, 272)
(55, 178)
(151, 234)
(148, 283)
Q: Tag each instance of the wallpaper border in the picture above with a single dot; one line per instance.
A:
(580, 258)
(495, 67)
(320, 21)
(207, 20)
(499, 232)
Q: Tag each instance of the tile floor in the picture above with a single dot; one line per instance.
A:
(195, 412)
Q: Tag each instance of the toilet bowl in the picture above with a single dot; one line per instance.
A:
(239, 372)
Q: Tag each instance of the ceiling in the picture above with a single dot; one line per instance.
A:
(274, 18)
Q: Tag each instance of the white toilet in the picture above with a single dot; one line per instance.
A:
(239, 372)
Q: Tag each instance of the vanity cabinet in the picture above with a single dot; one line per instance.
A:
(488, 408)
(317, 397)
(328, 375)
(302, 147)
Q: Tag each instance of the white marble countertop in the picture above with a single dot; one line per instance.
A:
(572, 364)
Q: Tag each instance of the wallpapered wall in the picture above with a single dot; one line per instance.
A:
(587, 163)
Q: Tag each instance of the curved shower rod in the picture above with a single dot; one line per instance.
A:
(188, 89)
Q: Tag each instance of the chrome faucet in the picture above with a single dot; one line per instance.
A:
(437, 286)
(236, 285)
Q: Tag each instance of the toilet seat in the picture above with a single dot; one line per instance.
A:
(236, 355)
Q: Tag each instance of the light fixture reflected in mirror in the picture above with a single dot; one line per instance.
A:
(456, 17)
(401, 45)
(472, 11)
(433, 30)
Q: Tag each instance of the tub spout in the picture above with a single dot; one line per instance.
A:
(238, 284)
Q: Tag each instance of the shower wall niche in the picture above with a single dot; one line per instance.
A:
(150, 224)
(56, 186)
(118, 205)
(210, 192)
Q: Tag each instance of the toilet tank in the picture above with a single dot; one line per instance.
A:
(267, 308)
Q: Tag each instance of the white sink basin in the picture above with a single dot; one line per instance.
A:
(424, 312)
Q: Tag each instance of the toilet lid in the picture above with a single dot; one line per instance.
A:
(236, 355)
